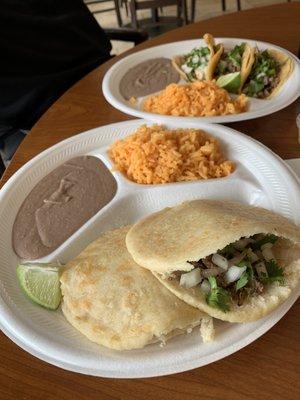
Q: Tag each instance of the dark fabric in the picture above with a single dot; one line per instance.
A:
(45, 47)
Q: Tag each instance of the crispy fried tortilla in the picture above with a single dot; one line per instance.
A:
(287, 66)
(247, 62)
(165, 241)
(117, 304)
(215, 54)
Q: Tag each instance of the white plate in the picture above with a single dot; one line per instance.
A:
(258, 108)
(261, 178)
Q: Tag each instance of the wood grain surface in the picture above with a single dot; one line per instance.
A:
(267, 369)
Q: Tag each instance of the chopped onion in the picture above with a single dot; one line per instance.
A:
(206, 273)
(199, 73)
(195, 59)
(186, 68)
(220, 261)
(205, 286)
(267, 252)
(261, 268)
(234, 273)
(191, 279)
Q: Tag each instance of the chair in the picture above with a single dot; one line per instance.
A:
(223, 2)
(116, 8)
(158, 24)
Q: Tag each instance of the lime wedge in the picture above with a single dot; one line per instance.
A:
(40, 282)
(230, 82)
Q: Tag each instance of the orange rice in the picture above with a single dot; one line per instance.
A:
(155, 154)
(197, 99)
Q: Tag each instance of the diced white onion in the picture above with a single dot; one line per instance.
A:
(268, 245)
(220, 261)
(261, 268)
(199, 74)
(186, 68)
(267, 253)
(191, 279)
(234, 273)
(195, 59)
(261, 75)
(205, 286)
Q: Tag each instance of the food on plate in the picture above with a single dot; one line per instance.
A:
(40, 282)
(148, 77)
(235, 262)
(117, 304)
(200, 63)
(155, 154)
(59, 204)
(269, 72)
(234, 67)
(197, 99)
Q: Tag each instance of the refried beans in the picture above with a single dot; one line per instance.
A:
(60, 204)
(148, 77)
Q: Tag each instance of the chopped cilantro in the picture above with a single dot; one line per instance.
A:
(218, 297)
(267, 239)
(247, 275)
(244, 279)
(275, 273)
(236, 55)
(264, 66)
(254, 87)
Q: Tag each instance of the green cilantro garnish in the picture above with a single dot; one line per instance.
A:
(218, 297)
(264, 66)
(247, 275)
(275, 273)
(254, 87)
(244, 279)
(267, 239)
(236, 55)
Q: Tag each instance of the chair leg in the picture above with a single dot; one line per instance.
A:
(193, 10)
(185, 13)
(238, 5)
(223, 5)
(117, 8)
(134, 22)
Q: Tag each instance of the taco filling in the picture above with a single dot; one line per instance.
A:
(196, 62)
(230, 61)
(264, 76)
(242, 269)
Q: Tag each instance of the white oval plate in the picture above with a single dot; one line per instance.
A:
(258, 108)
(261, 178)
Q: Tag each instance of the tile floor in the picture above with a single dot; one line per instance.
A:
(205, 9)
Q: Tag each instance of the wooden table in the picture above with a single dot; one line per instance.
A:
(266, 369)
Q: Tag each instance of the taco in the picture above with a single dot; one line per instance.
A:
(270, 71)
(199, 64)
(235, 262)
(117, 304)
(239, 59)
